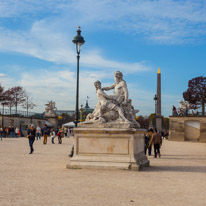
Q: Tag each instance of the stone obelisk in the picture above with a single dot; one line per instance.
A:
(158, 109)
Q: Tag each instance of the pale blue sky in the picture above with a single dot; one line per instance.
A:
(133, 36)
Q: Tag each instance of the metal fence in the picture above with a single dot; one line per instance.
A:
(20, 113)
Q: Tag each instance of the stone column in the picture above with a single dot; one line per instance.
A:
(158, 110)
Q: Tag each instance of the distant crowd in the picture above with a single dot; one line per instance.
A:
(38, 132)
(9, 132)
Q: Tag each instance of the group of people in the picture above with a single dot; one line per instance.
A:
(152, 137)
(37, 132)
(9, 131)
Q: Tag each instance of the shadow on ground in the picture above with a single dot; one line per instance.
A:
(192, 169)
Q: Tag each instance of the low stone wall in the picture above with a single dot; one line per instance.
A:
(187, 128)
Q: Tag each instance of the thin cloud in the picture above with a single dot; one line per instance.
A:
(161, 21)
(60, 86)
(44, 42)
(2, 75)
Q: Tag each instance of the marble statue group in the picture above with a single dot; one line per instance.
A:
(50, 109)
(109, 137)
(115, 108)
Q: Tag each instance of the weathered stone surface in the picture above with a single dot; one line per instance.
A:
(108, 148)
(109, 138)
(114, 124)
(188, 128)
(114, 110)
(50, 109)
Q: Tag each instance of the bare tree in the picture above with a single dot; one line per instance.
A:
(18, 96)
(28, 104)
(8, 99)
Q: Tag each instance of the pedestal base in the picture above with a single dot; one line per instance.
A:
(109, 148)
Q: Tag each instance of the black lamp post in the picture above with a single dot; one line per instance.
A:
(2, 118)
(155, 98)
(79, 41)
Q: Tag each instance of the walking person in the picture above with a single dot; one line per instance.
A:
(4, 132)
(65, 131)
(52, 134)
(1, 133)
(31, 133)
(146, 141)
(16, 132)
(60, 134)
(38, 132)
(68, 132)
(151, 131)
(157, 141)
(9, 131)
(12, 132)
(45, 133)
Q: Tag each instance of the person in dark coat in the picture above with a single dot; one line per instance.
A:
(46, 132)
(157, 141)
(31, 134)
(146, 141)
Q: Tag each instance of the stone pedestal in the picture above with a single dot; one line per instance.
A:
(108, 148)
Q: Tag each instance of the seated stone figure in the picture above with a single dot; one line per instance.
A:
(121, 95)
(120, 88)
(106, 109)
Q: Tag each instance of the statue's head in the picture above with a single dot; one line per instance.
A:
(97, 84)
(118, 76)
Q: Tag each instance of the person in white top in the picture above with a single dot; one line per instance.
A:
(38, 132)
(68, 132)
(17, 132)
(52, 134)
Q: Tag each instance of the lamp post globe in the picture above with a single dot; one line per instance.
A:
(79, 41)
(155, 98)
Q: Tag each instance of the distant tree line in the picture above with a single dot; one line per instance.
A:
(14, 97)
(146, 121)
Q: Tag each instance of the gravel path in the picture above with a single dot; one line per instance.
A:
(41, 179)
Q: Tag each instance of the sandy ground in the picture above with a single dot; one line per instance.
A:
(177, 178)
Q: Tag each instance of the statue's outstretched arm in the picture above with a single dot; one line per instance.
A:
(108, 88)
(106, 96)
